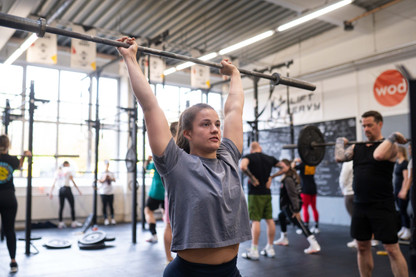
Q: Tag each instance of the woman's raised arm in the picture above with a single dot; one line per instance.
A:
(233, 108)
(156, 122)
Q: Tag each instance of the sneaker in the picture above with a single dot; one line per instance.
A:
(152, 239)
(314, 247)
(106, 222)
(251, 255)
(268, 252)
(314, 230)
(75, 224)
(299, 231)
(374, 242)
(13, 267)
(406, 234)
(61, 225)
(282, 241)
(113, 221)
(352, 244)
(400, 233)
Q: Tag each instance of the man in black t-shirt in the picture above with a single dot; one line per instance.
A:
(258, 166)
(374, 211)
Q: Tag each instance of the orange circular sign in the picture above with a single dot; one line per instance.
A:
(390, 88)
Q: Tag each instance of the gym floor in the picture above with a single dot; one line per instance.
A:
(123, 258)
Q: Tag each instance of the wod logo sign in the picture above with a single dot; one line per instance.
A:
(390, 88)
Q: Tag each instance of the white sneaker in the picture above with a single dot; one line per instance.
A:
(374, 242)
(282, 241)
(406, 234)
(314, 247)
(268, 252)
(113, 221)
(352, 244)
(13, 267)
(76, 224)
(61, 225)
(400, 233)
(106, 222)
(152, 239)
(314, 230)
(299, 231)
(251, 255)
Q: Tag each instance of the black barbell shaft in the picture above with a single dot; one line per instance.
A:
(40, 28)
(316, 144)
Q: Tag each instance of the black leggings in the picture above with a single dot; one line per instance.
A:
(65, 192)
(107, 200)
(8, 210)
(402, 204)
(182, 268)
(287, 213)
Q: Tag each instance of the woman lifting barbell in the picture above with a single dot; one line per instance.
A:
(207, 206)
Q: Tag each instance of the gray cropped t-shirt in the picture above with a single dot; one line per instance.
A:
(207, 206)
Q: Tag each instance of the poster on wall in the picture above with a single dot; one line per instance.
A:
(383, 88)
(305, 106)
(200, 76)
(157, 67)
(83, 53)
(44, 50)
(390, 88)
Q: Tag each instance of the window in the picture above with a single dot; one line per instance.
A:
(46, 87)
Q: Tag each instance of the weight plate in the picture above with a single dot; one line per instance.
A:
(109, 238)
(94, 237)
(131, 160)
(99, 245)
(57, 244)
(311, 155)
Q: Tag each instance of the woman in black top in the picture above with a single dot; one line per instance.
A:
(399, 178)
(8, 202)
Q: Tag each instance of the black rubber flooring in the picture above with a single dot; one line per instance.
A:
(123, 258)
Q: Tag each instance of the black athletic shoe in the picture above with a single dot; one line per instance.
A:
(13, 267)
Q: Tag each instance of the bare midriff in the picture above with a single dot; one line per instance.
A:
(213, 256)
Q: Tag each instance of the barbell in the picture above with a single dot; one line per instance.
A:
(40, 28)
(311, 145)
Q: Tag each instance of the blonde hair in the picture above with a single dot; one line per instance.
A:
(4, 143)
(403, 151)
(185, 124)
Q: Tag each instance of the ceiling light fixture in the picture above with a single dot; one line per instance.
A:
(246, 42)
(19, 51)
(313, 15)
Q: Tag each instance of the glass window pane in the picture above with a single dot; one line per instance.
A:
(74, 97)
(214, 100)
(108, 99)
(189, 98)
(44, 138)
(73, 140)
(12, 89)
(46, 88)
(168, 99)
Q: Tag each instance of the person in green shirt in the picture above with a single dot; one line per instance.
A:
(155, 200)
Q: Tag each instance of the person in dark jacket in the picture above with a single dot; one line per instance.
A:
(290, 205)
